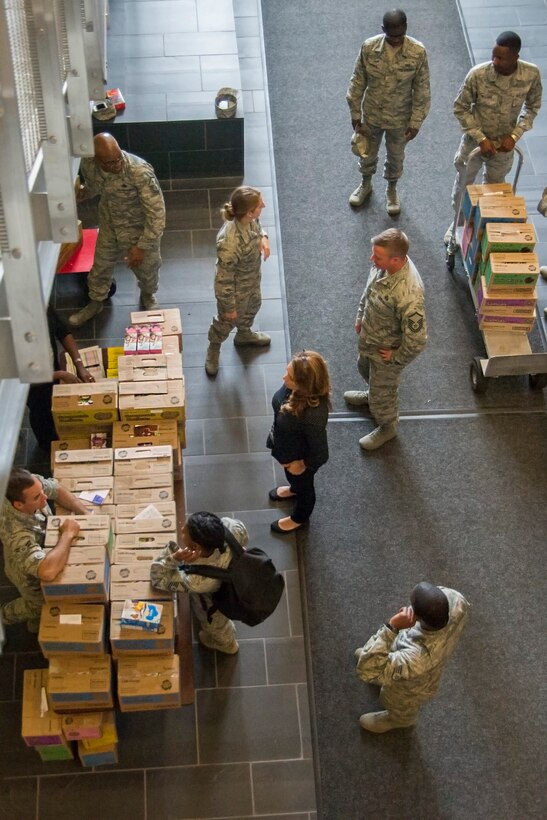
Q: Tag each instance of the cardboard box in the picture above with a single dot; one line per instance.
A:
(153, 541)
(144, 434)
(508, 237)
(79, 684)
(140, 402)
(498, 304)
(149, 495)
(511, 269)
(70, 431)
(149, 368)
(83, 726)
(72, 628)
(498, 209)
(137, 571)
(508, 323)
(85, 538)
(76, 463)
(137, 591)
(101, 756)
(78, 442)
(40, 725)
(131, 555)
(129, 640)
(90, 485)
(171, 345)
(125, 518)
(62, 751)
(84, 404)
(148, 683)
(85, 578)
(108, 734)
(143, 479)
(151, 459)
(489, 189)
(167, 319)
(86, 522)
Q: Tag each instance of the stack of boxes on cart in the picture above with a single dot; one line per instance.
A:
(108, 635)
(498, 246)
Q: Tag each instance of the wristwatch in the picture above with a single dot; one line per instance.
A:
(514, 137)
(392, 628)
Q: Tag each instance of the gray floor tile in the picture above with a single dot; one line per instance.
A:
(7, 676)
(199, 791)
(75, 797)
(153, 16)
(187, 210)
(213, 80)
(205, 675)
(249, 47)
(226, 482)
(23, 661)
(18, 798)
(232, 390)
(247, 668)
(218, 198)
(245, 8)
(210, 42)
(282, 552)
(304, 714)
(252, 75)
(194, 438)
(176, 245)
(247, 26)
(20, 760)
(270, 316)
(283, 786)
(259, 722)
(286, 661)
(135, 45)
(203, 243)
(166, 737)
(196, 318)
(141, 106)
(295, 602)
(258, 428)
(190, 280)
(259, 100)
(225, 436)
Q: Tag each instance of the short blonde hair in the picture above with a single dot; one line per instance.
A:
(242, 200)
(393, 240)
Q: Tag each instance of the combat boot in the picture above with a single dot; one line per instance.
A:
(92, 309)
(357, 398)
(358, 197)
(149, 301)
(207, 640)
(543, 271)
(251, 337)
(379, 436)
(380, 722)
(211, 361)
(393, 203)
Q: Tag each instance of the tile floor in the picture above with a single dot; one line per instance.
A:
(244, 749)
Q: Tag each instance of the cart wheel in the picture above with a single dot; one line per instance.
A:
(450, 261)
(113, 289)
(537, 381)
(479, 382)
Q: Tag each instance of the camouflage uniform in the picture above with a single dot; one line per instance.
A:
(388, 94)
(392, 315)
(165, 573)
(22, 536)
(237, 277)
(492, 106)
(408, 664)
(131, 212)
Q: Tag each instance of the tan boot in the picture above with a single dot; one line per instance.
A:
(357, 398)
(393, 203)
(379, 436)
(251, 337)
(149, 301)
(85, 314)
(358, 197)
(379, 722)
(206, 639)
(211, 361)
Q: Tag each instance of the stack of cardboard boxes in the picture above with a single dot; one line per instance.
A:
(129, 490)
(498, 246)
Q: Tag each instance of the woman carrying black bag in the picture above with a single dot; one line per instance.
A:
(298, 438)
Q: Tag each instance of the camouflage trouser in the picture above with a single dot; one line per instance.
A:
(110, 249)
(246, 306)
(495, 168)
(221, 629)
(383, 387)
(395, 152)
(404, 710)
(23, 609)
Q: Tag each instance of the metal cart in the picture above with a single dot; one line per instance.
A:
(508, 354)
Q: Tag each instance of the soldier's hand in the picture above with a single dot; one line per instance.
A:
(358, 327)
(355, 123)
(507, 144)
(230, 315)
(410, 133)
(361, 128)
(265, 247)
(386, 353)
(69, 527)
(81, 193)
(404, 619)
(488, 149)
(134, 257)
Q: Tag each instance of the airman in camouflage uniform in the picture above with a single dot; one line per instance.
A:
(496, 104)
(542, 209)
(240, 243)
(392, 330)
(131, 223)
(388, 95)
(407, 655)
(22, 533)
(167, 574)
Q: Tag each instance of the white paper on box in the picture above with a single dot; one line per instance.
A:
(96, 497)
(70, 619)
(148, 512)
(43, 702)
(154, 451)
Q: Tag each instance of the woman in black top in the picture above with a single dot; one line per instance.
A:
(298, 438)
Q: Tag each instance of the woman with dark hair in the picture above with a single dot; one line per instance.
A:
(298, 438)
(241, 242)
